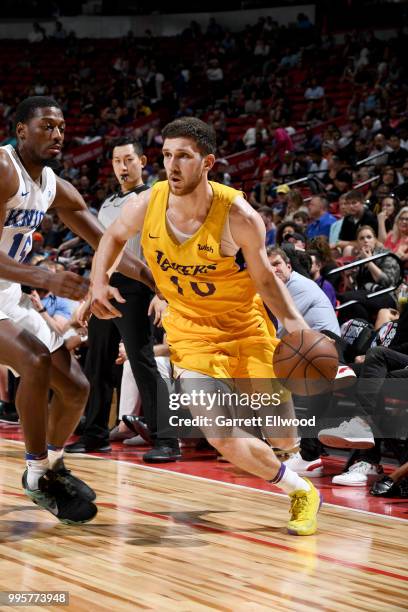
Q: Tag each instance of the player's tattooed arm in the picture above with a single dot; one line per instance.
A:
(248, 231)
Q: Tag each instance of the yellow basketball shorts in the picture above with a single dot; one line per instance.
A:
(236, 345)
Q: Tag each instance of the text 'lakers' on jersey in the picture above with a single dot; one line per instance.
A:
(194, 277)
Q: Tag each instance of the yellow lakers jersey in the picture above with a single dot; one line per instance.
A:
(194, 277)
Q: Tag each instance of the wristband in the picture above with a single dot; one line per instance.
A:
(42, 310)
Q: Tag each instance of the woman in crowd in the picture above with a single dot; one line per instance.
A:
(397, 238)
(389, 209)
(295, 204)
(371, 277)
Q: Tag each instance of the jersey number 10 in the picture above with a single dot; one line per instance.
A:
(17, 240)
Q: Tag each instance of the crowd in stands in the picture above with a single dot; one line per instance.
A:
(328, 123)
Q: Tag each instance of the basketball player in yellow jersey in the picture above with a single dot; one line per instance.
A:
(216, 324)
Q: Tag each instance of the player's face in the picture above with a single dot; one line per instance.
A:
(280, 267)
(127, 165)
(186, 167)
(43, 135)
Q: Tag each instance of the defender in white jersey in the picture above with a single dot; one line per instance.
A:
(28, 188)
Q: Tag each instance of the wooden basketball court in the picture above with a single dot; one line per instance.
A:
(165, 540)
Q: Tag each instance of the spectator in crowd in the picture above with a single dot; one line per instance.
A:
(319, 165)
(315, 274)
(310, 300)
(380, 365)
(282, 196)
(264, 192)
(320, 218)
(379, 274)
(380, 149)
(301, 218)
(397, 238)
(359, 216)
(259, 130)
(397, 156)
(386, 217)
(335, 228)
(267, 216)
(282, 141)
(314, 91)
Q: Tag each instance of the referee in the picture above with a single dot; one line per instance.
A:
(134, 328)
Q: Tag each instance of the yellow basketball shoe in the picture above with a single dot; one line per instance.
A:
(303, 511)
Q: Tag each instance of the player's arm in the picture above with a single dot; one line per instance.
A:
(73, 212)
(248, 231)
(129, 222)
(65, 284)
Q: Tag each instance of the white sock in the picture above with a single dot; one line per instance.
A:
(35, 469)
(54, 456)
(287, 480)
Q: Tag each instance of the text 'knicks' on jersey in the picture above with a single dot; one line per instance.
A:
(25, 210)
(194, 277)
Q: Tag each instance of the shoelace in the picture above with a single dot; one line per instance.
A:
(298, 507)
(361, 466)
(53, 480)
(354, 421)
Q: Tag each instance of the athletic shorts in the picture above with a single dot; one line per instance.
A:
(23, 314)
(238, 344)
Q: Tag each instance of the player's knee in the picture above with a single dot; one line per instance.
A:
(37, 362)
(78, 390)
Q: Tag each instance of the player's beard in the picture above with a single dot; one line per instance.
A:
(53, 163)
(188, 187)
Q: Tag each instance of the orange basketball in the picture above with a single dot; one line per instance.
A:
(306, 362)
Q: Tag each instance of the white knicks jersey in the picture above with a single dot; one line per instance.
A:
(25, 210)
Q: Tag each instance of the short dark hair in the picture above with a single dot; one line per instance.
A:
(323, 199)
(191, 127)
(277, 251)
(127, 140)
(354, 194)
(316, 255)
(27, 108)
(266, 211)
(302, 214)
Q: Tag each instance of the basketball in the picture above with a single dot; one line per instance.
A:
(306, 362)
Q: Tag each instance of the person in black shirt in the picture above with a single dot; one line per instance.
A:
(398, 156)
(358, 217)
(133, 327)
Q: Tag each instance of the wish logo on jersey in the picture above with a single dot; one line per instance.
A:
(24, 218)
(165, 264)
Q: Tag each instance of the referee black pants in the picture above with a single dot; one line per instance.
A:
(134, 328)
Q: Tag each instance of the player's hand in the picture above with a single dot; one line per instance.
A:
(101, 305)
(68, 284)
(82, 314)
(122, 356)
(156, 309)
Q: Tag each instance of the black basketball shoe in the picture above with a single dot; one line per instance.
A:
(61, 500)
(65, 476)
